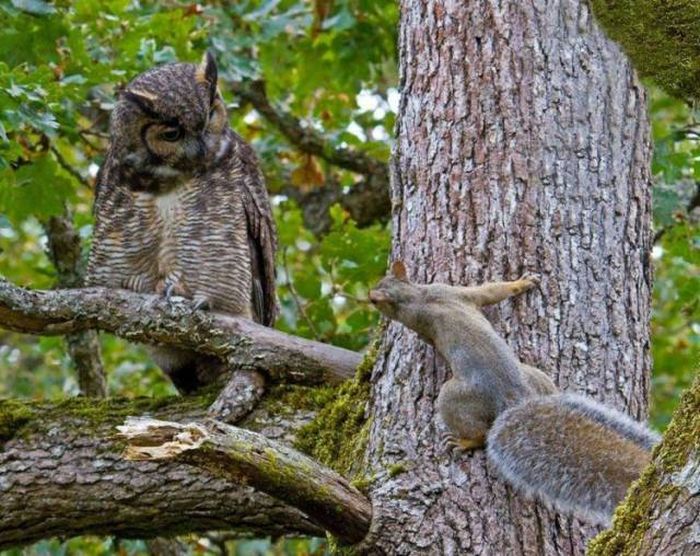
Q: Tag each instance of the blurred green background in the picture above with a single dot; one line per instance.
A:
(329, 67)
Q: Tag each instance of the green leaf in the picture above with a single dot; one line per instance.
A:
(38, 189)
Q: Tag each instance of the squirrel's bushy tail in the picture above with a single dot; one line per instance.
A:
(570, 452)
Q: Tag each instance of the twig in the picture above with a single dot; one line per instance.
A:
(63, 163)
(64, 250)
(690, 207)
(305, 138)
(296, 296)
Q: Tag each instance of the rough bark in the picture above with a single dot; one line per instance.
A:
(62, 473)
(83, 347)
(242, 343)
(250, 458)
(661, 514)
(522, 145)
(238, 397)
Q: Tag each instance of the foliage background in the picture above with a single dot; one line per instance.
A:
(331, 64)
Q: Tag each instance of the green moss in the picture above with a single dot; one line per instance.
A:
(13, 414)
(90, 414)
(286, 398)
(97, 412)
(362, 483)
(661, 37)
(338, 436)
(631, 520)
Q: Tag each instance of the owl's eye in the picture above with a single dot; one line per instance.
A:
(172, 134)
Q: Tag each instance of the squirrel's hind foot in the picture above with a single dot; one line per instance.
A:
(456, 446)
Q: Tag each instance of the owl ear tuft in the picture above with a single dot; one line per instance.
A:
(143, 99)
(398, 271)
(207, 73)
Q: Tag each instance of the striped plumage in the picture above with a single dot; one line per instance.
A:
(181, 206)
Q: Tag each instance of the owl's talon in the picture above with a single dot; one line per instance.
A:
(446, 437)
(201, 304)
(169, 290)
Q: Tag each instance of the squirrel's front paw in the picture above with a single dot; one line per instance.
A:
(530, 280)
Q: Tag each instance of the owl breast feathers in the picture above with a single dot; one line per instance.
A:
(181, 206)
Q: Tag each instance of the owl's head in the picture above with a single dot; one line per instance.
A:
(169, 124)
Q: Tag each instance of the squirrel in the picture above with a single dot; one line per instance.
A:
(566, 450)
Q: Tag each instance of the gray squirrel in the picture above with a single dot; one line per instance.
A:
(566, 450)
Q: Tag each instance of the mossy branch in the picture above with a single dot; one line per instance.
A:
(243, 456)
(242, 343)
(661, 38)
(659, 515)
(62, 473)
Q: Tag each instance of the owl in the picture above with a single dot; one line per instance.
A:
(181, 206)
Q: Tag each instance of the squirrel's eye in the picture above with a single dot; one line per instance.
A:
(172, 134)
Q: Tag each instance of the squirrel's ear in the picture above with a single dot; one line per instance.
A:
(398, 270)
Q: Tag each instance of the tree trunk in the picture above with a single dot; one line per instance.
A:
(523, 145)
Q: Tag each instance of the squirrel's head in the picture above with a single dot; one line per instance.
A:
(393, 291)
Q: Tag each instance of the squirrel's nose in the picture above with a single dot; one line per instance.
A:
(376, 296)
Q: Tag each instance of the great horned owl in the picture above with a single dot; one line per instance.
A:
(180, 205)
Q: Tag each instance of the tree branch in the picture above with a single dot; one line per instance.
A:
(247, 457)
(62, 473)
(63, 163)
(303, 137)
(242, 343)
(367, 201)
(660, 513)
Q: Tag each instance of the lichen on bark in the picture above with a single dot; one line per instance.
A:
(661, 37)
(633, 517)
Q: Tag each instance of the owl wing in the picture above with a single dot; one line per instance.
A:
(99, 269)
(261, 235)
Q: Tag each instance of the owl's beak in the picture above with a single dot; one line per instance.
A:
(201, 147)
